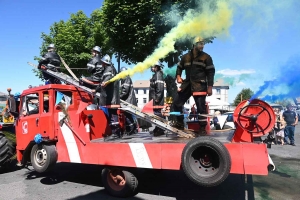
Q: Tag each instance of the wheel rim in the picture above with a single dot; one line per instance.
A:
(116, 179)
(40, 157)
(204, 161)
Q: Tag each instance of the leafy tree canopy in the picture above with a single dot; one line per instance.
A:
(245, 94)
(135, 27)
(75, 38)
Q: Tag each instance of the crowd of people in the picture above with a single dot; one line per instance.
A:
(284, 128)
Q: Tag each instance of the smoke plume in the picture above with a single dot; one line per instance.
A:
(209, 22)
(285, 85)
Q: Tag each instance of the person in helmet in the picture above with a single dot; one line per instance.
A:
(109, 92)
(95, 68)
(156, 93)
(127, 94)
(51, 61)
(200, 71)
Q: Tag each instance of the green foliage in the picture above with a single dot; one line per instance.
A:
(245, 94)
(75, 38)
(135, 27)
(130, 25)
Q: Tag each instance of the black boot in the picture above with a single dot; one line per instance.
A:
(202, 131)
(158, 132)
(179, 124)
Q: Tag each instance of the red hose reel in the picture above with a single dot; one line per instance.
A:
(253, 118)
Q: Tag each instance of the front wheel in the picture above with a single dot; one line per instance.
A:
(119, 183)
(43, 157)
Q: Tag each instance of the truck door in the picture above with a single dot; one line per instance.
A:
(45, 121)
(27, 123)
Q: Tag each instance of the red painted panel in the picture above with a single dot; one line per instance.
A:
(171, 155)
(237, 160)
(154, 153)
(118, 154)
(255, 159)
(61, 147)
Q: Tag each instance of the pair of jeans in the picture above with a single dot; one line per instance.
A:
(289, 133)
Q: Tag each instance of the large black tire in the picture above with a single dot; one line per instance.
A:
(206, 161)
(7, 150)
(127, 190)
(43, 157)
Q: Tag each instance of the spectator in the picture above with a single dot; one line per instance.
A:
(278, 119)
(216, 121)
(193, 114)
(280, 132)
(291, 119)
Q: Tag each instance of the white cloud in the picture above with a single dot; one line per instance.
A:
(234, 72)
(240, 83)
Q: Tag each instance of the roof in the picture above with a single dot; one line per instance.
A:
(220, 82)
(3, 94)
(141, 84)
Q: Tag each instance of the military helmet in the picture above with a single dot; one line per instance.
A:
(159, 64)
(97, 48)
(51, 46)
(123, 69)
(106, 59)
(198, 39)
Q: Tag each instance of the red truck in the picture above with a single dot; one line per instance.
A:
(59, 123)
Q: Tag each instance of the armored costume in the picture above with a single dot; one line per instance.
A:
(51, 61)
(156, 93)
(128, 95)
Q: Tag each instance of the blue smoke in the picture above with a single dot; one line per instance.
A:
(285, 85)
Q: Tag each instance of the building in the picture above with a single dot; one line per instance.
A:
(141, 88)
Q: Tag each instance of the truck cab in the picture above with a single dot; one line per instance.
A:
(57, 114)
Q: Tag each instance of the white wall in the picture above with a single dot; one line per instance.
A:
(223, 96)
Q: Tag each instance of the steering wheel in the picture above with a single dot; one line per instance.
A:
(257, 118)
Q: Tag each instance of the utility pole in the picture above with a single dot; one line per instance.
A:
(241, 97)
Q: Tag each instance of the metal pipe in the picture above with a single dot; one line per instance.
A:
(271, 166)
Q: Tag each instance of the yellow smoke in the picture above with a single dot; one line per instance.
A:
(204, 24)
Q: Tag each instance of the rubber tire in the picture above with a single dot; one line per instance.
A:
(7, 150)
(224, 161)
(130, 188)
(51, 157)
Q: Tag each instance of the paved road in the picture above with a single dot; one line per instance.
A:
(76, 182)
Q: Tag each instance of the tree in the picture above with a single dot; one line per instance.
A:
(75, 38)
(135, 28)
(245, 94)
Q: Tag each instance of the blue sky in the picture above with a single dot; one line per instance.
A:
(263, 37)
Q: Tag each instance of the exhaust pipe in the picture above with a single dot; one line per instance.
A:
(271, 166)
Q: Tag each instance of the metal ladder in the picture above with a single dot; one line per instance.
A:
(127, 107)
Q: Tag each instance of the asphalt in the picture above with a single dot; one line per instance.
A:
(80, 182)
